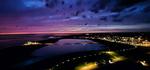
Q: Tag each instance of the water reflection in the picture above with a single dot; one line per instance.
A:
(65, 46)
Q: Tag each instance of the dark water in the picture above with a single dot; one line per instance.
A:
(65, 46)
(61, 47)
(17, 40)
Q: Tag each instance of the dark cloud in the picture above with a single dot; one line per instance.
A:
(49, 15)
(9, 6)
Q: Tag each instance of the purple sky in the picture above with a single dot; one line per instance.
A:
(27, 16)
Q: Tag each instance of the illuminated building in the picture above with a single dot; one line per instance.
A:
(31, 43)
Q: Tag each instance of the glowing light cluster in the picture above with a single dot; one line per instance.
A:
(144, 63)
(135, 41)
(88, 66)
(114, 57)
(31, 43)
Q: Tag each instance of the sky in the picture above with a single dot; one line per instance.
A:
(73, 16)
